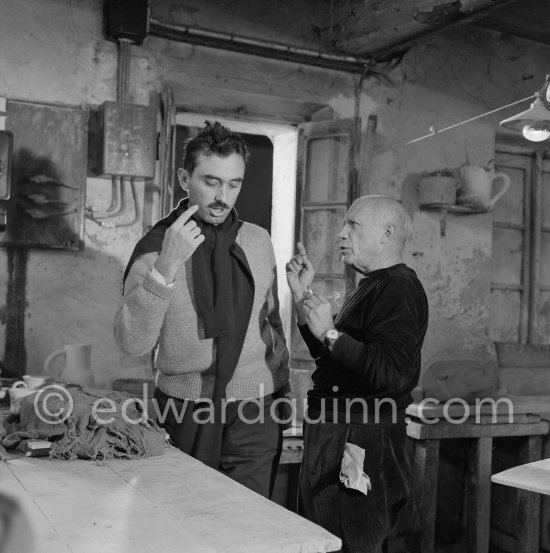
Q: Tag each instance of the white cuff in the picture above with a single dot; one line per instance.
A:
(160, 279)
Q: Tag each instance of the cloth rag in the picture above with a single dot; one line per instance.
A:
(351, 469)
(85, 423)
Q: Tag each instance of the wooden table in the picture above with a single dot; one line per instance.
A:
(427, 437)
(528, 478)
(533, 477)
(171, 503)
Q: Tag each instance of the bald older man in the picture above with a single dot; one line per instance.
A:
(355, 473)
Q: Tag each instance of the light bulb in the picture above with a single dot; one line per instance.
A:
(537, 131)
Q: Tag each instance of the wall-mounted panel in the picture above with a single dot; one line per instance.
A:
(48, 178)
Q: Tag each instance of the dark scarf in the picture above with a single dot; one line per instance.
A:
(223, 286)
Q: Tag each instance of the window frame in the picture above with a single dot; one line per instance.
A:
(532, 229)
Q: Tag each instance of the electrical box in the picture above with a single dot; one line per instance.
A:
(6, 147)
(126, 19)
(48, 176)
(126, 140)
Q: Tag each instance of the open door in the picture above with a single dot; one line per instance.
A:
(326, 186)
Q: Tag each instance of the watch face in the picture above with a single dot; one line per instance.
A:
(332, 334)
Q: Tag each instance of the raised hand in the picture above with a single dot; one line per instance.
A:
(181, 239)
(299, 272)
(318, 314)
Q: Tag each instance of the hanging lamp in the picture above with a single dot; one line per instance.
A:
(534, 123)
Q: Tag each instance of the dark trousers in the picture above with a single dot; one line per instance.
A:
(248, 450)
(362, 522)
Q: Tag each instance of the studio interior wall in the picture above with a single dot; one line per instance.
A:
(55, 52)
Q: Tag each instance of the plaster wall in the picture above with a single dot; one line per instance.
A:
(448, 79)
(54, 51)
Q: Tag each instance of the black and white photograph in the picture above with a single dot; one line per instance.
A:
(275, 276)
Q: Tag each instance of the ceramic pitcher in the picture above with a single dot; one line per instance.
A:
(77, 368)
(477, 186)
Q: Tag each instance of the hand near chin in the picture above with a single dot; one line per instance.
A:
(318, 312)
(181, 240)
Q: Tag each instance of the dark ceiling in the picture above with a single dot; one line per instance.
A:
(524, 18)
(356, 33)
(377, 29)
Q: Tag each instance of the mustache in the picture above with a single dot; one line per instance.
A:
(219, 205)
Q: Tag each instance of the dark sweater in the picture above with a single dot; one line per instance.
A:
(378, 354)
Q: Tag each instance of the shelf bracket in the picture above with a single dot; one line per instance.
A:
(443, 222)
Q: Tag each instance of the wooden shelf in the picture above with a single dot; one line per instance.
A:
(457, 209)
(461, 209)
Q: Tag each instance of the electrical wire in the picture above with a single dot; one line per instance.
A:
(118, 203)
(259, 47)
(433, 132)
(124, 47)
(137, 208)
(137, 211)
(118, 197)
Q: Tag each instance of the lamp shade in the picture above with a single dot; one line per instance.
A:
(536, 114)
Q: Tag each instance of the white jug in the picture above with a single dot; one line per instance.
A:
(77, 368)
(477, 187)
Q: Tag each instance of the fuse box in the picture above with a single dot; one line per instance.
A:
(126, 140)
(6, 146)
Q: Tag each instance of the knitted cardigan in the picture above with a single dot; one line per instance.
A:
(153, 314)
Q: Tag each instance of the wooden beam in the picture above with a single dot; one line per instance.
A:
(240, 104)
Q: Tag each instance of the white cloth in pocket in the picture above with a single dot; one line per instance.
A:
(351, 470)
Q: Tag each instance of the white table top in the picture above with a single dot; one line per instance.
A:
(534, 477)
(171, 503)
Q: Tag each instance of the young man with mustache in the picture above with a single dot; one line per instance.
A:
(201, 288)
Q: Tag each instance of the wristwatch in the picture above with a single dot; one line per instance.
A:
(330, 337)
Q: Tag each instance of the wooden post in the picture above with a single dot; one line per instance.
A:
(426, 465)
(478, 511)
(528, 513)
